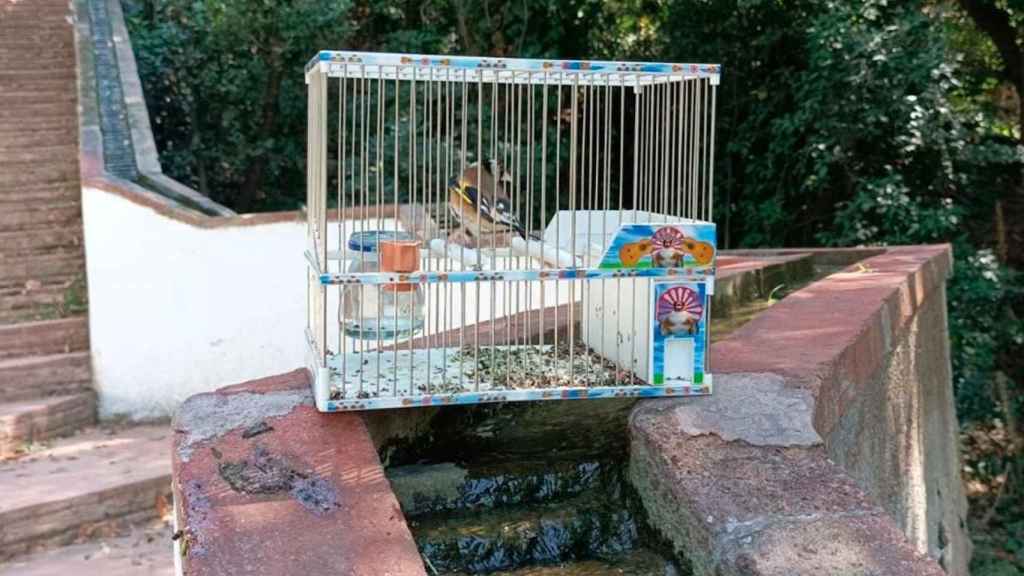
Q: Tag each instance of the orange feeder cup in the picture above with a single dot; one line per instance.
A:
(401, 256)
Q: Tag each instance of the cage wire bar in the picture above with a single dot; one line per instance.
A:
(581, 149)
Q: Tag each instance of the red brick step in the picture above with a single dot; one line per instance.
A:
(92, 483)
(28, 193)
(17, 127)
(31, 113)
(22, 97)
(12, 243)
(34, 217)
(31, 421)
(38, 73)
(64, 373)
(44, 338)
(41, 85)
(57, 136)
(58, 175)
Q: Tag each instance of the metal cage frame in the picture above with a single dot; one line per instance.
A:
(672, 152)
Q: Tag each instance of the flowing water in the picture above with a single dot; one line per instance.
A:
(493, 491)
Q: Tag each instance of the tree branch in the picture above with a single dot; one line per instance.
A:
(468, 42)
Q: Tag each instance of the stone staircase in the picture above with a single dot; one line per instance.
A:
(42, 265)
(543, 518)
(98, 484)
(45, 380)
(62, 480)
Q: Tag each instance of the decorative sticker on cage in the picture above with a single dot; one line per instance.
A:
(678, 334)
(662, 246)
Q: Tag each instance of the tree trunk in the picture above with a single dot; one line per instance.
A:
(469, 44)
(196, 145)
(249, 191)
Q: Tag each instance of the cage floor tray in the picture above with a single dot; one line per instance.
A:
(440, 376)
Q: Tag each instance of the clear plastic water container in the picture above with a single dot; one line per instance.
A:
(379, 312)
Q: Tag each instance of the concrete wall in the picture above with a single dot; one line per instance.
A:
(899, 439)
(178, 310)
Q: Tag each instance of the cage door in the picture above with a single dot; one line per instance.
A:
(679, 361)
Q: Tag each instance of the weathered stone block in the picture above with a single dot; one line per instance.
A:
(264, 484)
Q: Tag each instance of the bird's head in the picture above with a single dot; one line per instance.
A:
(498, 171)
(490, 179)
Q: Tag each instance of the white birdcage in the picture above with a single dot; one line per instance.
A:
(489, 230)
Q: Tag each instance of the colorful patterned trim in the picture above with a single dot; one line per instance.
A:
(518, 396)
(513, 64)
(373, 278)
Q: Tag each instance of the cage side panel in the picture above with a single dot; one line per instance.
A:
(617, 323)
(316, 223)
(678, 333)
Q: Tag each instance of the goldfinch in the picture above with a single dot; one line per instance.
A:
(488, 189)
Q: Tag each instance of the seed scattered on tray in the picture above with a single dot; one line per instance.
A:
(483, 369)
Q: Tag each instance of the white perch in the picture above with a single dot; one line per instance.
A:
(457, 252)
(547, 253)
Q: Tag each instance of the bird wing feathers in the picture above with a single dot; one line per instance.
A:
(500, 213)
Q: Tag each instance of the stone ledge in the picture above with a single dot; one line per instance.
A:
(264, 484)
(838, 329)
(731, 508)
(754, 459)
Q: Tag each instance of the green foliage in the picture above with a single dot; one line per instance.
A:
(846, 124)
(981, 327)
(224, 85)
(224, 78)
(840, 123)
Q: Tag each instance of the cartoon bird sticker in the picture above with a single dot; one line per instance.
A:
(679, 311)
(631, 253)
(668, 247)
(703, 252)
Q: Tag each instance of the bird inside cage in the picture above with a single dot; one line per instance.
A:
(479, 200)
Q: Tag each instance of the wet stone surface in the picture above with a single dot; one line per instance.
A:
(199, 511)
(514, 538)
(535, 489)
(528, 435)
(265, 484)
(636, 563)
(434, 489)
(263, 473)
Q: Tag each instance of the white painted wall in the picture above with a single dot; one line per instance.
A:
(175, 310)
